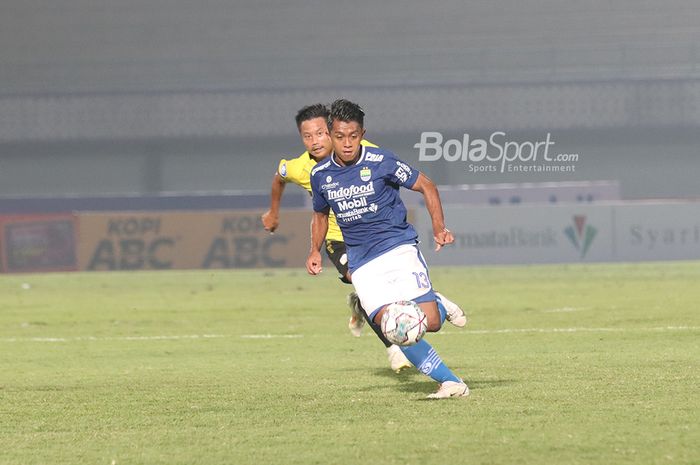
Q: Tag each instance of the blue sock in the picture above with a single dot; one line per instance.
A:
(441, 309)
(428, 362)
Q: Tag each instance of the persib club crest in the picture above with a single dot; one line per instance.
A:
(365, 174)
(580, 234)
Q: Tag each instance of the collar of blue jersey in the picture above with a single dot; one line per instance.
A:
(362, 157)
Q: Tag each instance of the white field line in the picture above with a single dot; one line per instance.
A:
(563, 310)
(466, 332)
(571, 330)
(111, 338)
(271, 336)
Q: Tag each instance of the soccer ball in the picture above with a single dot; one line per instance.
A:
(404, 323)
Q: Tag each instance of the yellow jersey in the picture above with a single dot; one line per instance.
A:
(298, 171)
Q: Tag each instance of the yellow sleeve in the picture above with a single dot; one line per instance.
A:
(291, 170)
(297, 170)
(367, 143)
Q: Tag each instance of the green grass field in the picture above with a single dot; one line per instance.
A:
(585, 364)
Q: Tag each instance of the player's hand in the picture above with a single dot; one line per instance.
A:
(313, 263)
(270, 221)
(442, 237)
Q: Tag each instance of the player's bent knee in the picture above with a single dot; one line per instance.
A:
(433, 314)
(434, 324)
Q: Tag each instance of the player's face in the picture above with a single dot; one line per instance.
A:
(314, 135)
(346, 137)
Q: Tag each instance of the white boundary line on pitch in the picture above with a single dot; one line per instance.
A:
(271, 336)
(111, 338)
(466, 332)
(569, 330)
(564, 310)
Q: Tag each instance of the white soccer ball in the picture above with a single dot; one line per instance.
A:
(404, 323)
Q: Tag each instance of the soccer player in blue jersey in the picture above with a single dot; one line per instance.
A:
(361, 186)
(312, 123)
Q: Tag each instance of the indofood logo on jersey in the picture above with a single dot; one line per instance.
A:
(351, 192)
(580, 234)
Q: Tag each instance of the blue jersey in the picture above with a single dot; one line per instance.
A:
(366, 202)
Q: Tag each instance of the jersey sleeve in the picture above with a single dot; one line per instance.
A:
(400, 173)
(287, 170)
(282, 170)
(290, 170)
(319, 201)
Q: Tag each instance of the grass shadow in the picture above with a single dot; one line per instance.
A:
(412, 381)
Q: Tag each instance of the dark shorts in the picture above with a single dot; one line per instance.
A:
(338, 255)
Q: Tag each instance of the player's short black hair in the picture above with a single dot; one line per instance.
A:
(345, 110)
(317, 110)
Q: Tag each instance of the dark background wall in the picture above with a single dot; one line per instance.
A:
(166, 95)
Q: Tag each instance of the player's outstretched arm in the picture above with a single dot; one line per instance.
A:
(271, 217)
(441, 234)
(319, 228)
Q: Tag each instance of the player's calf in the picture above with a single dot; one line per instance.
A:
(431, 311)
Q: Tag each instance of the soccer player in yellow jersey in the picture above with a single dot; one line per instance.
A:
(312, 123)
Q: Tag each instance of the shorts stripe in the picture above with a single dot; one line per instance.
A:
(422, 260)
